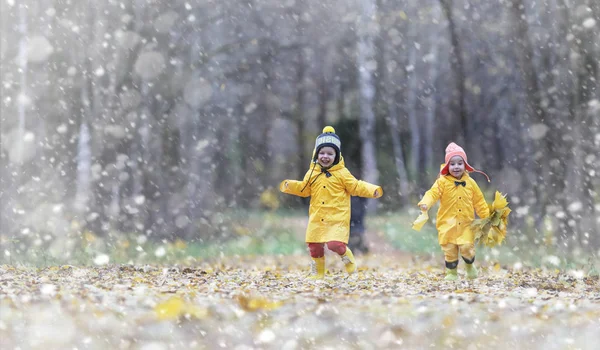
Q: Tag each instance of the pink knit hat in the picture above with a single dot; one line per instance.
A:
(455, 150)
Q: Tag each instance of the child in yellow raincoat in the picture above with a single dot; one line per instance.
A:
(330, 186)
(460, 198)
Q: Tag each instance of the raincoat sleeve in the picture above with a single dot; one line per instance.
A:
(358, 187)
(433, 195)
(297, 188)
(481, 207)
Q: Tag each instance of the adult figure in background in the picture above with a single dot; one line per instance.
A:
(357, 225)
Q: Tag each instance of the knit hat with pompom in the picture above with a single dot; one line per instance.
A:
(328, 139)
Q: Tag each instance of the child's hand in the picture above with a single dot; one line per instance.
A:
(376, 194)
(423, 207)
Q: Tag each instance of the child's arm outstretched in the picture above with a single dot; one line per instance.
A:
(360, 188)
(295, 187)
(481, 207)
(431, 196)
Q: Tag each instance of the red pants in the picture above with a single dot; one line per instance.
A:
(317, 250)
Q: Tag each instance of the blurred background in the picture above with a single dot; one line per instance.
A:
(145, 129)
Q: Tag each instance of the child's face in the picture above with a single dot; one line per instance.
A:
(326, 156)
(457, 167)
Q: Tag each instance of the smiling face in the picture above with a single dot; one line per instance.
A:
(326, 156)
(457, 167)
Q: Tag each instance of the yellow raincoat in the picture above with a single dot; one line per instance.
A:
(329, 212)
(458, 205)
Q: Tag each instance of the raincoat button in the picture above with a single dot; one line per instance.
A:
(323, 202)
(323, 186)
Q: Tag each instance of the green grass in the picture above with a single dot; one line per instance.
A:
(255, 233)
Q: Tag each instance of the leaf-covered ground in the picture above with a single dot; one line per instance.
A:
(266, 302)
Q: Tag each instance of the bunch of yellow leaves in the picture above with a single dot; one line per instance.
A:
(491, 231)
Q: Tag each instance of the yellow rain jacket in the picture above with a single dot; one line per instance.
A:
(458, 205)
(329, 212)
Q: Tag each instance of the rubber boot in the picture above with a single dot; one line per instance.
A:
(317, 268)
(472, 272)
(451, 275)
(349, 261)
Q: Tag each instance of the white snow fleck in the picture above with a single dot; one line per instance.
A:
(128, 40)
(117, 131)
(99, 72)
(249, 108)
(101, 259)
(410, 68)
(521, 211)
(575, 207)
(538, 131)
(191, 18)
(188, 6)
(10, 2)
(29, 137)
(24, 100)
(62, 128)
(71, 71)
(38, 49)
(579, 274)
(181, 221)
(150, 65)
(589, 23)
(552, 260)
(160, 252)
(164, 22)
(141, 239)
(50, 12)
(139, 200)
(48, 289)
(266, 336)
(197, 92)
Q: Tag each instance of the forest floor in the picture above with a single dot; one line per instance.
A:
(263, 302)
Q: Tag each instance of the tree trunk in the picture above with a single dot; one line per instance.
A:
(368, 29)
(458, 67)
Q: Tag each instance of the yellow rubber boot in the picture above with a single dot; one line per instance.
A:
(317, 268)
(349, 261)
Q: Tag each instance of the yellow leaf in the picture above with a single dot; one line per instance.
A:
(496, 267)
(254, 304)
(270, 199)
(170, 309)
(448, 321)
(241, 230)
(197, 312)
(179, 244)
(499, 201)
(89, 236)
(420, 221)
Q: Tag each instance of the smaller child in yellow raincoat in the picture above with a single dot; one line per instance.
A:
(330, 186)
(460, 198)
